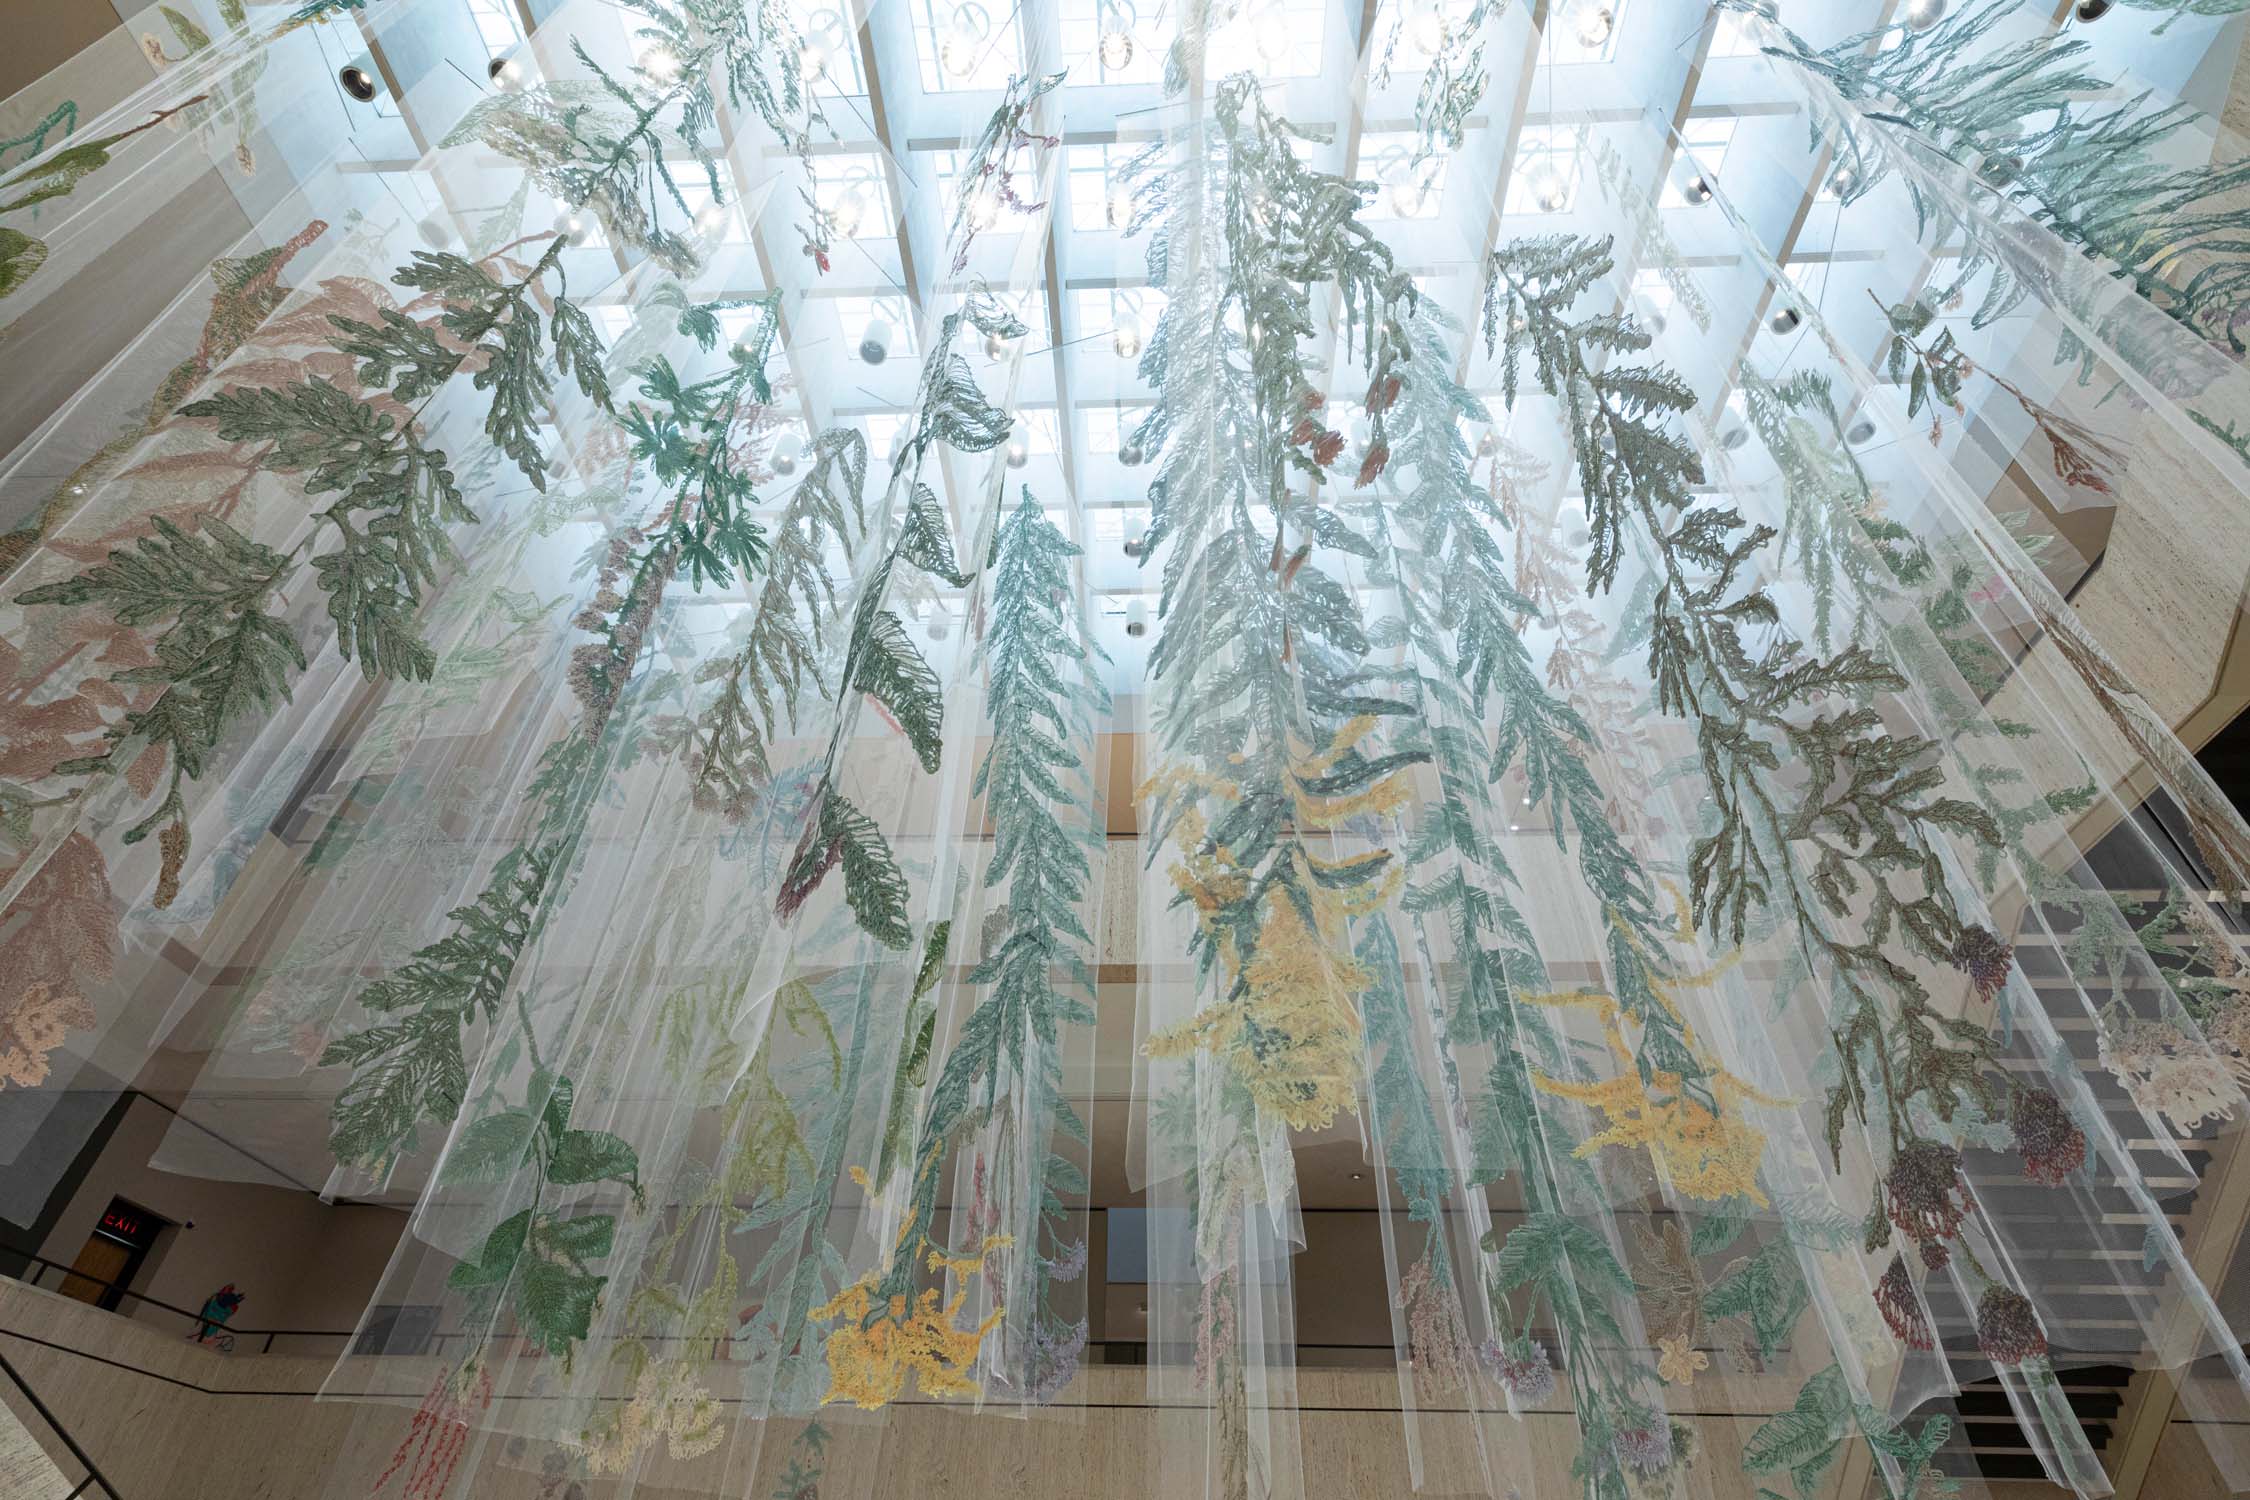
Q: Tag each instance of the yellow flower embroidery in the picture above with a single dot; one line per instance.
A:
(1293, 1035)
(1679, 1362)
(869, 1358)
(667, 1402)
(1704, 1153)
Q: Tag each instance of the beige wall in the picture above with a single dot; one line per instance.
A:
(303, 1263)
(45, 34)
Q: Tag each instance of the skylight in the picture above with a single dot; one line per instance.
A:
(496, 23)
(1273, 39)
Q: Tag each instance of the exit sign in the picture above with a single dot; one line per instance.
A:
(130, 1224)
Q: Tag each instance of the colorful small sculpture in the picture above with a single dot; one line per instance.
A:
(217, 1308)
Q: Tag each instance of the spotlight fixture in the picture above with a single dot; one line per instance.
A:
(785, 452)
(850, 208)
(1843, 182)
(1126, 340)
(1129, 454)
(1733, 438)
(1549, 191)
(824, 37)
(1120, 208)
(1136, 619)
(963, 44)
(358, 82)
(1018, 454)
(1429, 31)
(1785, 320)
(1859, 432)
(1133, 546)
(996, 347)
(875, 343)
(1697, 190)
(1116, 49)
(1923, 14)
(573, 227)
(496, 67)
(939, 627)
(1270, 34)
(1596, 23)
(2091, 10)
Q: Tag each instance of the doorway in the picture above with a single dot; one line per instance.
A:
(112, 1255)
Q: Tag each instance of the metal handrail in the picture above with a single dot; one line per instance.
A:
(94, 1475)
(435, 1340)
(270, 1334)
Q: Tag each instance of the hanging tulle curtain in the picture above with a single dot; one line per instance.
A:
(555, 677)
